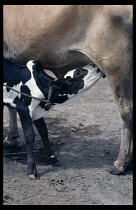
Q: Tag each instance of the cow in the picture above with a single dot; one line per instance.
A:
(71, 36)
(33, 93)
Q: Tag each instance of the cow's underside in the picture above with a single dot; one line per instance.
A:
(66, 37)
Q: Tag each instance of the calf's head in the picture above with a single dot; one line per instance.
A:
(75, 83)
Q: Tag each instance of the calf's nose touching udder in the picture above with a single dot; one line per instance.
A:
(80, 80)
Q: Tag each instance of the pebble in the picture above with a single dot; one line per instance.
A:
(73, 129)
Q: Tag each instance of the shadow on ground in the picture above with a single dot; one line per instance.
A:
(79, 147)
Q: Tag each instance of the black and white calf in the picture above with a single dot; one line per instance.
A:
(32, 80)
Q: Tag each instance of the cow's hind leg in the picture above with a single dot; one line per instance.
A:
(26, 122)
(42, 129)
(124, 96)
(12, 136)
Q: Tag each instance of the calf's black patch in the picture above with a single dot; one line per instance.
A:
(41, 78)
(76, 83)
(16, 100)
(13, 73)
(25, 99)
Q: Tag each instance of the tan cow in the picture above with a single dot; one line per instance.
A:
(64, 37)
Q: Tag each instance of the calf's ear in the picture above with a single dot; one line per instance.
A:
(54, 84)
(58, 84)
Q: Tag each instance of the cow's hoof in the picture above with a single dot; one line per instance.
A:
(129, 166)
(114, 171)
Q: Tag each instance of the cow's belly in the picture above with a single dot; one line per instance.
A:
(58, 61)
(67, 60)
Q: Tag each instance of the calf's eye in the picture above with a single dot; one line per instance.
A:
(93, 65)
(78, 71)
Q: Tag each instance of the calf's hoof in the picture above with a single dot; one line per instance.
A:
(32, 176)
(56, 164)
(12, 142)
(54, 161)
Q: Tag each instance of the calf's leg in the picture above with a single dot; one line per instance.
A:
(11, 138)
(26, 122)
(42, 129)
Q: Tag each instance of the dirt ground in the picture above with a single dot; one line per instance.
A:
(86, 137)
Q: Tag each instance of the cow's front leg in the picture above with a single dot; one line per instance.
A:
(12, 136)
(26, 122)
(42, 129)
